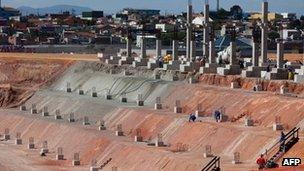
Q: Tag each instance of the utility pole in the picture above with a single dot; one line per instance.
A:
(218, 5)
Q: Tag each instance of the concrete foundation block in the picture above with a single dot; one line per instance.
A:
(102, 128)
(207, 155)
(127, 73)
(112, 71)
(69, 90)
(236, 162)
(235, 85)
(172, 65)
(277, 127)
(158, 106)
(258, 87)
(76, 163)
(138, 139)
(94, 94)
(44, 150)
(299, 78)
(57, 117)
(80, 92)
(113, 61)
(45, 114)
(199, 113)
(140, 103)
(119, 133)
(283, 90)
(175, 78)
(85, 123)
(140, 62)
(18, 141)
(71, 120)
(178, 110)
(124, 100)
(222, 71)
(7, 137)
(126, 61)
(31, 146)
(223, 118)
(159, 144)
(94, 168)
(253, 71)
(249, 122)
(157, 76)
(34, 111)
(192, 80)
(152, 65)
(109, 97)
(275, 74)
(22, 108)
(189, 67)
(209, 68)
(229, 70)
(59, 157)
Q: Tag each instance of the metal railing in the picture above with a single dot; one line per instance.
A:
(294, 133)
(214, 163)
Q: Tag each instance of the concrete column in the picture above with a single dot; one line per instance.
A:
(189, 30)
(233, 59)
(280, 53)
(192, 50)
(265, 12)
(174, 50)
(143, 47)
(264, 45)
(212, 53)
(206, 32)
(129, 48)
(158, 48)
(255, 57)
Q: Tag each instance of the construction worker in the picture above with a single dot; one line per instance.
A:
(217, 115)
(241, 63)
(202, 62)
(261, 162)
(268, 68)
(290, 73)
(160, 62)
(192, 117)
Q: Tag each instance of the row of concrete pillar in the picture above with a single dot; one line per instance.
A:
(44, 148)
(190, 42)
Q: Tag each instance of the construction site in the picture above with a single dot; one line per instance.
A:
(121, 112)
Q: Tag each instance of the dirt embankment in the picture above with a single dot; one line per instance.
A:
(19, 79)
(249, 83)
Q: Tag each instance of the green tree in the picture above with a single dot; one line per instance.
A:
(222, 14)
(273, 35)
(168, 37)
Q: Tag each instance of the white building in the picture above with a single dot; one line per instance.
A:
(287, 15)
(291, 34)
(199, 20)
(150, 40)
(165, 27)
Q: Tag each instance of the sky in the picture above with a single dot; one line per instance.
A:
(167, 6)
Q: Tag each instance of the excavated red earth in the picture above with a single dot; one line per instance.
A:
(19, 79)
(263, 107)
(225, 138)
